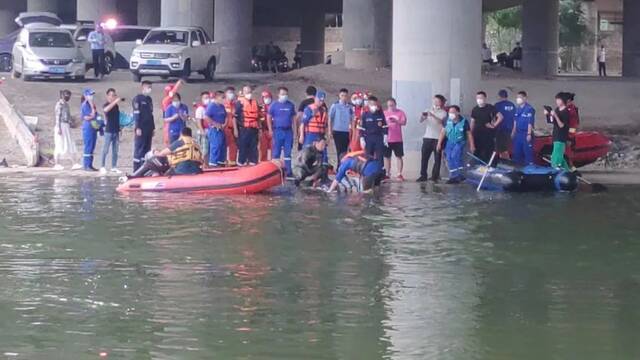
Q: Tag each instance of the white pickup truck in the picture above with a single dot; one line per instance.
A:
(175, 52)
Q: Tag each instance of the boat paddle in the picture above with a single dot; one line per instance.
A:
(486, 171)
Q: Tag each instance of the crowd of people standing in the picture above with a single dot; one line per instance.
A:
(236, 128)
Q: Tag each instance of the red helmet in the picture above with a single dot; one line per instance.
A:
(357, 94)
(266, 94)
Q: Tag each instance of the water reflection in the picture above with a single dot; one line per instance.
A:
(415, 273)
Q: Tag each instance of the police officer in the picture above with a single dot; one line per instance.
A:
(281, 122)
(144, 124)
(373, 129)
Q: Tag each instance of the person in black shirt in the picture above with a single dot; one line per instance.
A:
(484, 120)
(144, 124)
(111, 131)
(560, 120)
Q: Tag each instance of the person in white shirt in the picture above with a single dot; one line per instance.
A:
(201, 125)
(435, 118)
(602, 61)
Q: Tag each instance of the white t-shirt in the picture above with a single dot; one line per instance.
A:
(434, 126)
(200, 110)
(602, 55)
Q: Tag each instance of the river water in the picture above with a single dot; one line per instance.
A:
(415, 273)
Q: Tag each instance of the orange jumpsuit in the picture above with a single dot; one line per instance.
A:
(265, 139)
(229, 137)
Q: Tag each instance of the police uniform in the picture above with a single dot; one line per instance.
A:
(143, 117)
(523, 149)
(282, 122)
(373, 128)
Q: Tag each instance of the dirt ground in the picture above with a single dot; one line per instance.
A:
(608, 105)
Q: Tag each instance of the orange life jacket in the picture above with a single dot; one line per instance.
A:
(318, 123)
(250, 112)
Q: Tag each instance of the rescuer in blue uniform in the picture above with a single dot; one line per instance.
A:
(216, 118)
(89, 115)
(280, 121)
(176, 115)
(373, 129)
(505, 127)
(144, 124)
(457, 133)
(523, 131)
(370, 171)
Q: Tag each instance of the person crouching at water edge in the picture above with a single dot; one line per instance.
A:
(182, 157)
(309, 166)
(370, 171)
(65, 148)
(456, 133)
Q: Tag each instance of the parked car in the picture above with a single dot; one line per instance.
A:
(124, 39)
(81, 32)
(42, 49)
(48, 53)
(175, 52)
(25, 18)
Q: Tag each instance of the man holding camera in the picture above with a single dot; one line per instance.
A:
(111, 131)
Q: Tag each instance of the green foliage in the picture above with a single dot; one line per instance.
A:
(573, 28)
(510, 18)
(503, 29)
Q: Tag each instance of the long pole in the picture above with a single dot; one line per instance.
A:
(486, 172)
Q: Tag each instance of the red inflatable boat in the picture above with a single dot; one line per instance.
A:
(590, 146)
(224, 181)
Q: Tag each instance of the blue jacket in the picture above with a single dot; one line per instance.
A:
(508, 111)
(525, 116)
(373, 124)
(282, 114)
(341, 116)
(176, 126)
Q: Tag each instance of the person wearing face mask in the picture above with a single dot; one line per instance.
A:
(373, 130)
(144, 124)
(559, 118)
(249, 129)
(522, 134)
(357, 101)
(112, 132)
(89, 115)
(396, 119)
(281, 124)
(310, 96)
(503, 130)
(176, 116)
(484, 120)
(264, 144)
(201, 123)
(216, 119)
(234, 113)
(435, 117)
(315, 122)
(456, 133)
(65, 147)
(341, 117)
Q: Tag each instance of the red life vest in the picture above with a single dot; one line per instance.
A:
(230, 107)
(264, 110)
(251, 113)
(574, 119)
(318, 123)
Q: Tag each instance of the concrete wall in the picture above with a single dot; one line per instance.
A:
(367, 33)
(96, 10)
(187, 13)
(9, 9)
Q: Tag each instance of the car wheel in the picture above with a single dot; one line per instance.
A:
(210, 71)
(108, 63)
(186, 72)
(5, 63)
(27, 78)
(137, 78)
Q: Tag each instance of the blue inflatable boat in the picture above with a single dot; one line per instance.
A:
(509, 177)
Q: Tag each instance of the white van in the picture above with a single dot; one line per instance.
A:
(44, 50)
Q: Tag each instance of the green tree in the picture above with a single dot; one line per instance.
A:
(503, 28)
(574, 33)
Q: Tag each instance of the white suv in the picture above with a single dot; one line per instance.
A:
(47, 52)
(81, 32)
(175, 52)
